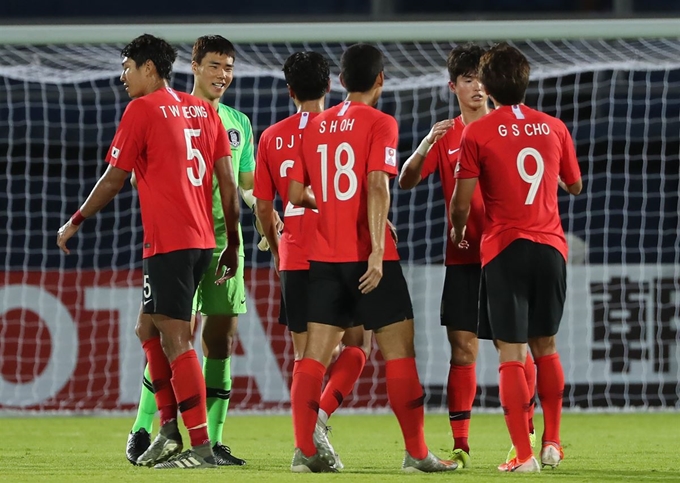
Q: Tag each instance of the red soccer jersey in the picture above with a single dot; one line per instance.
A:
(443, 157)
(518, 154)
(278, 150)
(172, 141)
(340, 148)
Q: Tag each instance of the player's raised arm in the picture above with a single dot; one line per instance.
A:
(411, 172)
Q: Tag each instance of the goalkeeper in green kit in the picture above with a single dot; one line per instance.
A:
(220, 305)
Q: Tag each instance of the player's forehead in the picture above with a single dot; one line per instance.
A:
(127, 62)
(216, 58)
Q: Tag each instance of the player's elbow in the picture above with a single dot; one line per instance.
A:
(575, 188)
(406, 182)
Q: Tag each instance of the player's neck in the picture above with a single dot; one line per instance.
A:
(471, 115)
(367, 98)
(154, 85)
(213, 102)
(316, 105)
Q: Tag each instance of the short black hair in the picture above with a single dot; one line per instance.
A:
(307, 74)
(212, 43)
(504, 71)
(360, 64)
(464, 60)
(147, 47)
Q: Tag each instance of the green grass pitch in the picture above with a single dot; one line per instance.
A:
(599, 447)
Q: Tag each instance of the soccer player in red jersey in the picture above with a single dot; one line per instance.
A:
(439, 151)
(519, 155)
(308, 77)
(348, 154)
(174, 142)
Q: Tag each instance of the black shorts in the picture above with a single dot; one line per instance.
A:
(522, 292)
(460, 297)
(171, 279)
(294, 288)
(335, 299)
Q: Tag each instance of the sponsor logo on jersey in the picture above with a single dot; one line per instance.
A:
(234, 138)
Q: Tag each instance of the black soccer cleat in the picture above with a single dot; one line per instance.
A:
(137, 443)
(223, 456)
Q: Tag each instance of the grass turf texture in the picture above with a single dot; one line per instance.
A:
(598, 447)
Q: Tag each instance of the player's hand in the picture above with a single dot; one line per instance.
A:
(67, 230)
(370, 280)
(227, 264)
(276, 259)
(393, 232)
(458, 238)
(438, 130)
(278, 222)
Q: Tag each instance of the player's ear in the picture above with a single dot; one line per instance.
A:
(194, 67)
(328, 87)
(379, 80)
(291, 94)
(342, 81)
(452, 87)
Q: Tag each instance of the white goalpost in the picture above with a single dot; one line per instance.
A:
(67, 323)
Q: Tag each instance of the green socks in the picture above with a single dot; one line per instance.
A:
(217, 373)
(147, 405)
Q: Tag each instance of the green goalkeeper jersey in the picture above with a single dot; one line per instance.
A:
(240, 134)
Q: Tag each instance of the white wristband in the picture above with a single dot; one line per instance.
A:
(424, 147)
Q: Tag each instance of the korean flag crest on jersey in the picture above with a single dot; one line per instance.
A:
(234, 138)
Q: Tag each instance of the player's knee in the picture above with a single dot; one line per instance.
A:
(464, 346)
(542, 346)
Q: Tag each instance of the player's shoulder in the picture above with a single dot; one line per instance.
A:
(238, 116)
(287, 126)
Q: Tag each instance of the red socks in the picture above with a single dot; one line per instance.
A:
(189, 387)
(343, 375)
(406, 398)
(461, 389)
(530, 370)
(304, 400)
(514, 395)
(161, 373)
(550, 392)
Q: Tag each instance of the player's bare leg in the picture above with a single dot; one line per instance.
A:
(461, 390)
(406, 396)
(322, 339)
(514, 396)
(217, 338)
(550, 384)
(342, 378)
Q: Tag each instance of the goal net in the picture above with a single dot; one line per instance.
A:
(67, 337)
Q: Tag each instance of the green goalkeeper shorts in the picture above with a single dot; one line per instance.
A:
(226, 299)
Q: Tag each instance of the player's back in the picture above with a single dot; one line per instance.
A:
(522, 152)
(174, 174)
(278, 150)
(341, 147)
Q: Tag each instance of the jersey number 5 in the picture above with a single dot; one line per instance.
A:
(192, 153)
(340, 171)
(533, 179)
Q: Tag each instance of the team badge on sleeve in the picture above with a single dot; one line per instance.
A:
(390, 156)
(115, 152)
(234, 138)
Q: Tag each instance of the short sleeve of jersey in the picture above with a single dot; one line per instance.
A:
(431, 161)
(222, 146)
(382, 155)
(128, 141)
(264, 188)
(247, 162)
(570, 172)
(468, 160)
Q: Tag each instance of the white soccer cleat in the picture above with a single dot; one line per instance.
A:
(551, 455)
(323, 445)
(529, 466)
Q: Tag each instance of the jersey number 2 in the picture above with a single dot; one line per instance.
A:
(192, 153)
(533, 179)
